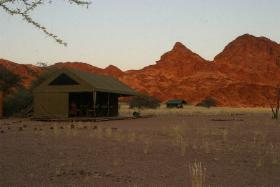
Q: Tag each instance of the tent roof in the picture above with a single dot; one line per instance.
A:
(100, 83)
(104, 83)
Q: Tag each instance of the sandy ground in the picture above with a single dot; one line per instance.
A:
(234, 149)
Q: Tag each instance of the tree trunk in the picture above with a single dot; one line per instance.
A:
(275, 112)
(278, 102)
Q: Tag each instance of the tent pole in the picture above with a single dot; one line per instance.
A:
(108, 112)
(94, 103)
(1, 104)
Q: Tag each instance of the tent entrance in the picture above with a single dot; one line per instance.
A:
(106, 104)
(80, 104)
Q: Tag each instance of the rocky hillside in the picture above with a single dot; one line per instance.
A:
(244, 74)
(27, 71)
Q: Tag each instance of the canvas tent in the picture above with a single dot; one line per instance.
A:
(75, 93)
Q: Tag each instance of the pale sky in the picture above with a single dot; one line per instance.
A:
(132, 34)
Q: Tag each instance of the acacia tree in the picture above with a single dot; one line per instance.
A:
(275, 105)
(274, 102)
(23, 8)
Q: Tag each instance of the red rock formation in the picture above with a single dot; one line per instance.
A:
(110, 70)
(114, 71)
(244, 74)
(27, 71)
(81, 66)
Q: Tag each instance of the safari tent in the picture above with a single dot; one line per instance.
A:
(75, 93)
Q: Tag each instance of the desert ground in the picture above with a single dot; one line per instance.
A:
(171, 147)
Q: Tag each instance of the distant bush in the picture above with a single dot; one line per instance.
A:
(143, 101)
(17, 102)
(208, 102)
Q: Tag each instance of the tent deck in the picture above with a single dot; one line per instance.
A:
(83, 119)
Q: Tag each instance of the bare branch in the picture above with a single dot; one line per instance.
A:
(24, 7)
(78, 2)
(33, 6)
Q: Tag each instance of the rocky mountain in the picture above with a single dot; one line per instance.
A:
(244, 74)
(251, 65)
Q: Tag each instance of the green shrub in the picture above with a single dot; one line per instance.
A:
(15, 97)
(15, 103)
(208, 102)
(18, 100)
(9, 81)
(143, 101)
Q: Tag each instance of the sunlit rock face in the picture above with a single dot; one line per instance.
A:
(244, 74)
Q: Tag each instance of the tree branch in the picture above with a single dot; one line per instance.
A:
(24, 7)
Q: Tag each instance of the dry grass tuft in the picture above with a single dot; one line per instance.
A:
(108, 133)
(131, 137)
(197, 174)
(275, 153)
